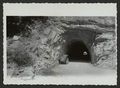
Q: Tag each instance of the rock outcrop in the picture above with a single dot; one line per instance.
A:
(46, 42)
(101, 40)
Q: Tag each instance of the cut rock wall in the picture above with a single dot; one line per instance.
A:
(105, 51)
(45, 44)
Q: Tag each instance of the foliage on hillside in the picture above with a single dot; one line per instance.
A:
(38, 47)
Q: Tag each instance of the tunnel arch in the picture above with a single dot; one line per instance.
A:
(78, 51)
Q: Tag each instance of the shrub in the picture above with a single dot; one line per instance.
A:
(16, 53)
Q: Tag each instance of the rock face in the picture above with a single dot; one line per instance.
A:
(105, 51)
(47, 42)
(98, 34)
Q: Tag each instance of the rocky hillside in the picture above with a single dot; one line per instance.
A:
(41, 43)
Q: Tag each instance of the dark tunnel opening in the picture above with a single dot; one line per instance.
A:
(78, 51)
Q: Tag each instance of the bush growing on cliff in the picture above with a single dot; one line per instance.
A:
(16, 53)
(37, 49)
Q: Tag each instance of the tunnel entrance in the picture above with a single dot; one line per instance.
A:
(77, 51)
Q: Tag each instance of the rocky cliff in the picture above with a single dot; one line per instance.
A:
(45, 42)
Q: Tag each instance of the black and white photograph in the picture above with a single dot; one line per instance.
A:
(78, 47)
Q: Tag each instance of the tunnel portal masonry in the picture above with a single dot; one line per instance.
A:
(76, 43)
(98, 47)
